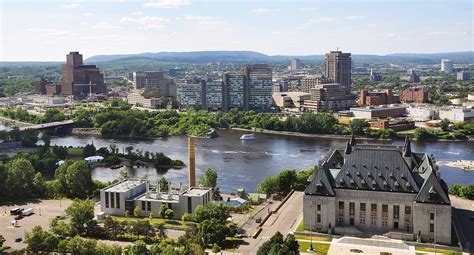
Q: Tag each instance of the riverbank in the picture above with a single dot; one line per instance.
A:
(333, 136)
(467, 165)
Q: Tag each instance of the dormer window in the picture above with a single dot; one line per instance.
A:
(358, 174)
(391, 175)
(380, 175)
(347, 173)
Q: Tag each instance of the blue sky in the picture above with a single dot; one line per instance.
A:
(45, 30)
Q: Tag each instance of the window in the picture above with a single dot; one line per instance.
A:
(112, 200)
(148, 206)
(373, 214)
(395, 225)
(362, 207)
(407, 209)
(190, 205)
(351, 208)
(319, 207)
(117, 196)
(431, 227)
(106, 199)
(432, 216)
(384, 208)
(396, 211)
(373, 208)
(351, 221)
(319, 218)
(143, 206)
(341, 205)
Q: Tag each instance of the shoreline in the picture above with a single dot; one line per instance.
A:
(334, 136)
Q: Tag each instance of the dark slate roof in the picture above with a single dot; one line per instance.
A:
(374, 168)
(379, 168)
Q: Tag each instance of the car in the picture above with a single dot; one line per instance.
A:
(356, 251)
(18, 239)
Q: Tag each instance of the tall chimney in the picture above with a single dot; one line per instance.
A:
(191, 162)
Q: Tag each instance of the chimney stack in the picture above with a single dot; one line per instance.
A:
(191, 162)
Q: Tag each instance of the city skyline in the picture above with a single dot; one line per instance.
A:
(43, 32)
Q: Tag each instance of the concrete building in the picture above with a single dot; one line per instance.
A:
(379, 189)
(338, 68)
(415, 95)
(463, 76)
(422, 113)
(446, 66)
(295, 64)
(81, 80)
(328, 98)
(136, 98)
(40, 85)
(258, 87)
(154, 79)
(311, 81)
(456, 114)
(377, 98)
(53, 89)
(290, 99)
(380, 111)
(234, 91)
(191, 93)
(214, 95)
(129, 194)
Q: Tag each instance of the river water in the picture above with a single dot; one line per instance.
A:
(245, 163)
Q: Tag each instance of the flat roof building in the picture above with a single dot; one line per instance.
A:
(381, 111)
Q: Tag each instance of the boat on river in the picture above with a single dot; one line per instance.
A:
(247, 137)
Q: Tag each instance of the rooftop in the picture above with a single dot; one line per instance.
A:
(124, 185)
(195, 192)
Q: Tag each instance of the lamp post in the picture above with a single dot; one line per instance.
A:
(311, 227)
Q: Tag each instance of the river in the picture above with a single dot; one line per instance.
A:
(245, 163)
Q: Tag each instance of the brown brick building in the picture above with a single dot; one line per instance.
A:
(40, 86)
(415, 95)
(78, 79)
(377, 98)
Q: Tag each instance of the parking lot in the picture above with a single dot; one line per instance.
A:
(44, 212)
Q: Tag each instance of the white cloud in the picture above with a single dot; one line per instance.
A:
(146, 22)
(263, 10)
(52, 32)
(204, 20)
(371, 25)
(317, 21)
(390, 35)
(105, 25)
(137, 13)
(354, 17)
(71, 6)
(89, 14)
(167, 4)
(307, 9)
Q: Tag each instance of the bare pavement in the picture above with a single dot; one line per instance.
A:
(285, 220)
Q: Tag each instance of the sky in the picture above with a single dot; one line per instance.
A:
(46, 30)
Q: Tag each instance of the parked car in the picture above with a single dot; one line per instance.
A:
(18, 239)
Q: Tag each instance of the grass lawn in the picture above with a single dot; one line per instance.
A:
(315, 238)
(74, 152)
(438, 251)
(171, 224)
(300, 227)
(319, 248)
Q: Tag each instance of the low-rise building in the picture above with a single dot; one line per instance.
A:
(381, 111)
(415, 95)
(328, 98)
(396, 125)
(457, 114)
(132, 193)
(377, 98)
(136, 98)
(290, 99)
(422, 112)
(379, 189)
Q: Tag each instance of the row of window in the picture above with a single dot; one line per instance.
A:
(114, 200)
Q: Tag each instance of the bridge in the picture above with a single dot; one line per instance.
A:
(51, 125)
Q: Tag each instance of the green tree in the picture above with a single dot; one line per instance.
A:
(160, 230)
(89, 150)
(186, 217)
(21, 179)
(169, 213)
(268, 186)
(212, 231)
(357, 126)
(40, 240)
(75, 179)
(208, 179)
(211, 210)
(82, 215)
(136, 211)
(162, 210)
(444, 124)
(216, 248)
(163, 184)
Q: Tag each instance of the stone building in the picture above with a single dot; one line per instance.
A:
(377, 98)
(379, 189)
(328, 98)
(415, 95)
(338, 67)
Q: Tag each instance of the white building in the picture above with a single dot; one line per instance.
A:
(136, 98)
(446, 65)
(422, 112)
(132, 193)
(457, 114)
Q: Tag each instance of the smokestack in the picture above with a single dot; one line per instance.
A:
(191, 162)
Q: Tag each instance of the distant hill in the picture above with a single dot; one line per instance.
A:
(200, 57)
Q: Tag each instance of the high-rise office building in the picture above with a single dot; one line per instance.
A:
(295, 64)
(234, 91)
(80, 80)
(446, 66)
(463, 76)
(191, 93)
(258, 87)
(311, 81)
(214, 95)
(338, 68)
(328, 98)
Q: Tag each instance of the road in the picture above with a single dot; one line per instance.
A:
(463, 215)
(284, 220)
